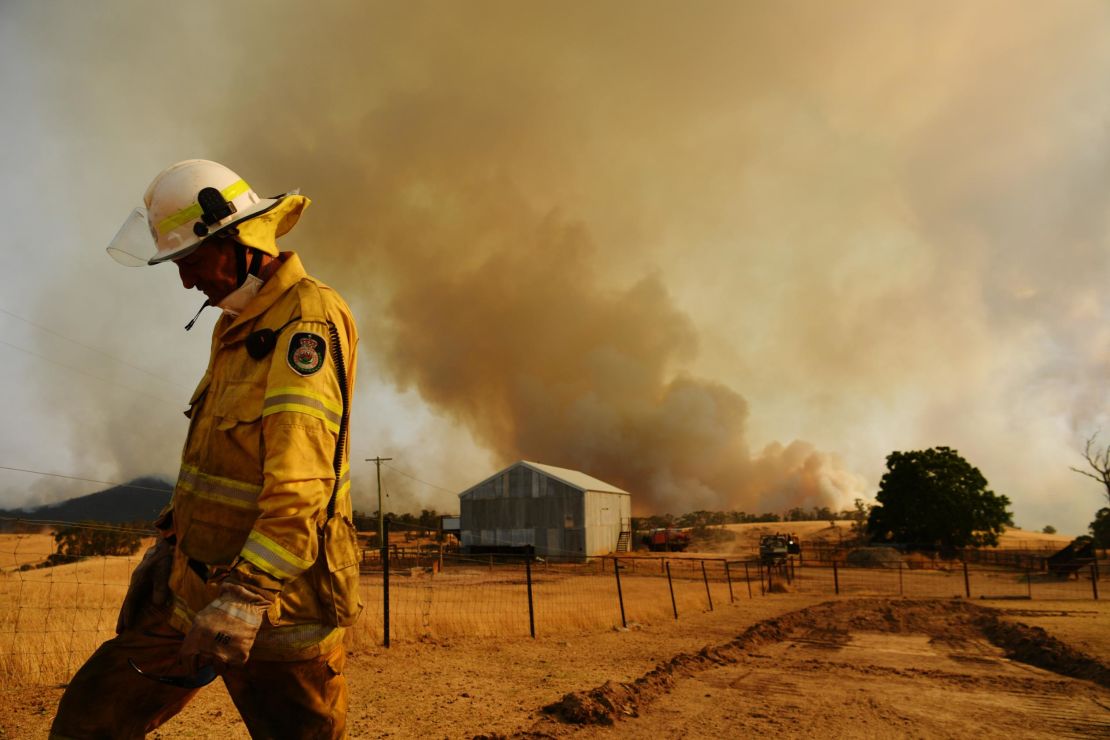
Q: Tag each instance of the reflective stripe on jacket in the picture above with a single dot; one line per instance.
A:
(257, 471)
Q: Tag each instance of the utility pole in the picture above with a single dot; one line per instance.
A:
(381, 513)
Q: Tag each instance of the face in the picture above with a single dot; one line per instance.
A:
(211, 269)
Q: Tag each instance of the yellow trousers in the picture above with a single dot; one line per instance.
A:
(277, 699)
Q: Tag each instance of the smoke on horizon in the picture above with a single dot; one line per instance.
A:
(636, 241)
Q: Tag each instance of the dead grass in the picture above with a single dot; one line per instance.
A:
(51, 619)
(24, 549)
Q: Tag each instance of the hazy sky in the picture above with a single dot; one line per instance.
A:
(727, 255)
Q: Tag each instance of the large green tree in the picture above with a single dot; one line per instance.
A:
(1100, 528)
(936, 499)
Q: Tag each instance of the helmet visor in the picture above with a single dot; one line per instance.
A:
(133, 245)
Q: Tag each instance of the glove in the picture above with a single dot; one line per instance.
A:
(150, 584)
(224, 631)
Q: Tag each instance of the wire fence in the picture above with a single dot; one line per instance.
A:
(53, 613)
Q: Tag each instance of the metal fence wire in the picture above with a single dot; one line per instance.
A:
(53, 613)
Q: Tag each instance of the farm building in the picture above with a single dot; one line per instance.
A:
(562, 513)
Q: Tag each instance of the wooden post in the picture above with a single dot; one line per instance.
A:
(1094, 579)
(728, 577)
(620, 594)
(670, 584)
(528, 577)
(836, 579)
(748, 579)
(705, 578)
(901, 587)
(1029, 581)
(385, 578)
(762, 591)
(967, 582)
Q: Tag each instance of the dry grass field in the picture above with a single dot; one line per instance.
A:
(835, 532)
(24, 549)
(851, 668)
(462, 663)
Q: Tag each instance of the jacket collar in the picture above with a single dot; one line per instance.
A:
(289, 274)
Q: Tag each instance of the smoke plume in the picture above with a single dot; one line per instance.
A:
(624, 237)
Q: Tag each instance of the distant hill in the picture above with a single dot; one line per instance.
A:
(139, 500)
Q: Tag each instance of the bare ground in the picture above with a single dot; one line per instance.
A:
(788, 664)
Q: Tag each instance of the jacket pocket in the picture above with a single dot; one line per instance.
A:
(198, 395)
(239, 402)
(210, 528)
(336, 572)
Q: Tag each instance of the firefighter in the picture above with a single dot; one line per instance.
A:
(254, 575)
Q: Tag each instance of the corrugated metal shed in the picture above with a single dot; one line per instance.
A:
(563, 513)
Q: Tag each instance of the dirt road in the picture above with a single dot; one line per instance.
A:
(861, 668)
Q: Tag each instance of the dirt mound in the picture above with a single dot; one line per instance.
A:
(943, 620)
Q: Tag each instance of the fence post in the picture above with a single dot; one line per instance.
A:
(1029, 581)
(528, 577)
(620, 594)
(901, 587)
(967, 582)
(762, 592)
(1094, 579)
(385, 578)
(705, 578)
(836, 579)
(748, 579)
(728, 577)
(670, 584)
(770, 577)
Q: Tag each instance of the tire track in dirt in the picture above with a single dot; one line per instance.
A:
(956, 626)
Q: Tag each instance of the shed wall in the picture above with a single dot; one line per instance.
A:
(604, 513)
(524, 507)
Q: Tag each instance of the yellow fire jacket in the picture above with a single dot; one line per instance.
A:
(254, 498)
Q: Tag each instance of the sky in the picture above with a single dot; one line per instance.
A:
(726, 255)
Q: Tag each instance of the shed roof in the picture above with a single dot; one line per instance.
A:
(573, 478)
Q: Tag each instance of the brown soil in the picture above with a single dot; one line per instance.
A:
(834, 623)
(786, 664)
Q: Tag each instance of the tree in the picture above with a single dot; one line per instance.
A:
(1098, 459)
(1049, 529)
(1100, 528)
(859, 516)
(96, 538)
(935, 499)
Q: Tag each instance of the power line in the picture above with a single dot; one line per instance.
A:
(82, 525)
(87, 375)
(90, 348)
(418, 480)
(85, 480)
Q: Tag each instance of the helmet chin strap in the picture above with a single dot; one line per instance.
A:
(242, 270)
(203, 306)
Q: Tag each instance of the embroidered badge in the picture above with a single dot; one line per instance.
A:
(306, 353)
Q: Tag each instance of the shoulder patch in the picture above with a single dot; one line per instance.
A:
(306, 352)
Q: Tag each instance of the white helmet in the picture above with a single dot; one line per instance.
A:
(186, 203)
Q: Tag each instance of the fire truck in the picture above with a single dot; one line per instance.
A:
(666, 540)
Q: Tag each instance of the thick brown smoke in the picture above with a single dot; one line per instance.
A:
(589, 234)
(497, 312)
